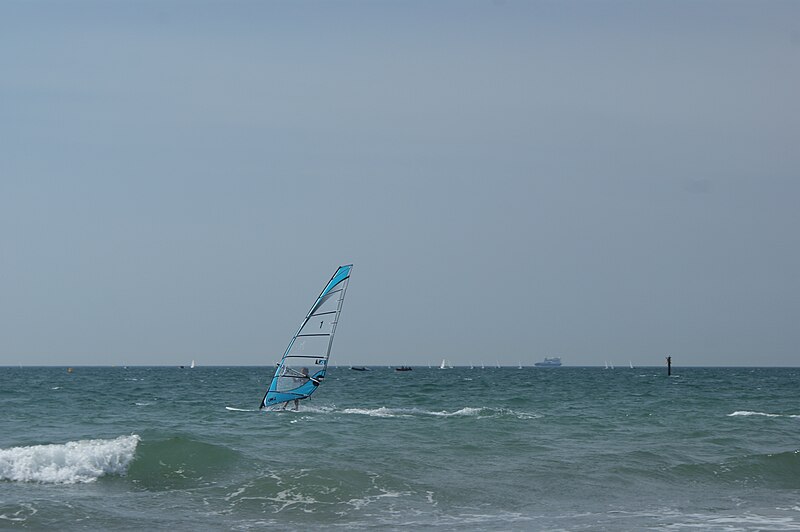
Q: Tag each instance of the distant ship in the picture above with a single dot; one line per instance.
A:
(549, 362)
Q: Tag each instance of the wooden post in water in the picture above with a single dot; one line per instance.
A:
(669, 366)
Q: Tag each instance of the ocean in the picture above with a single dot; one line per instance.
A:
(570, 448)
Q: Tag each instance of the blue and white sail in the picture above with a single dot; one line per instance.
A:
(305, 361)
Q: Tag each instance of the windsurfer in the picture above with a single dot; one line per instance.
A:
(300, 379)
(288, 384)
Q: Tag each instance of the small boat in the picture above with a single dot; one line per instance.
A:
(445, 365)
(310, 347)
(192, 364)
(359, 368)
(403, 368)
(549, 362)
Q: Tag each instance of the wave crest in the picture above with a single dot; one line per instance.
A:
(765, 414)
(68, 463)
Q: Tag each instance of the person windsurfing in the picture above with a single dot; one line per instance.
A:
(300, 380)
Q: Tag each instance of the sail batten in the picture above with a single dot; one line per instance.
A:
(313, 340)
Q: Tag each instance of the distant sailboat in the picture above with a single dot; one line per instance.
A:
(445, 365)
(192, 364)
(520, 366)
(310, 346)
(630, 364)
(606, 362)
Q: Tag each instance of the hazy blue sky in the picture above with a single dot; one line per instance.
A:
(595, 180)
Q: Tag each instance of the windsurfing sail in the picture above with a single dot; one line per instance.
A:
(303, 365)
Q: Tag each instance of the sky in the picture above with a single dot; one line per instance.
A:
(600, 181)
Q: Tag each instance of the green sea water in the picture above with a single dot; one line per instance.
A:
(154, 448)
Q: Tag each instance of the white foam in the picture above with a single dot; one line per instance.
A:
(68, 463)
(360, 503)
(466, 411)
(377, 412)
(310, 408)
(463, 412)
(389, 412)
(25, 511)
(749, 413)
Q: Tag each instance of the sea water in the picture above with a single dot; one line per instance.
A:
(153, 448)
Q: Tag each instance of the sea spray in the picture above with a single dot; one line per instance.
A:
(68, 463)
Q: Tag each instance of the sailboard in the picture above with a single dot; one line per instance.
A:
(303, 365)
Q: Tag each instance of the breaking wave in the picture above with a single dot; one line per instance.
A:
(68, 463)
